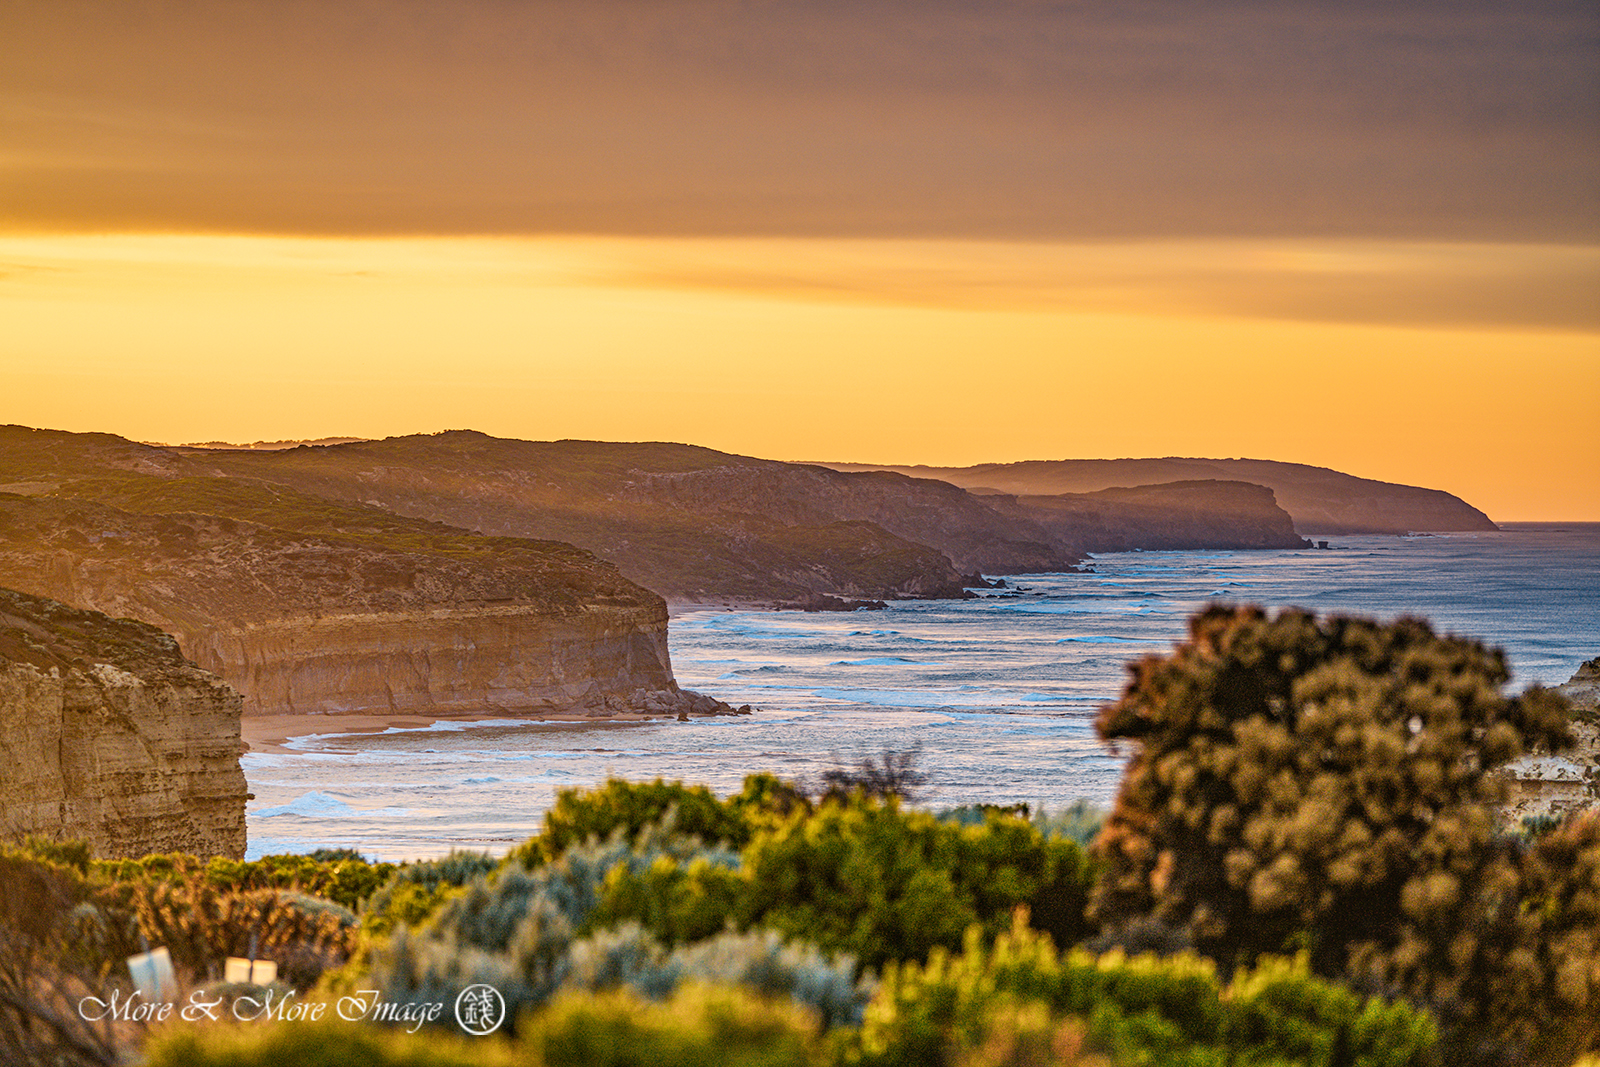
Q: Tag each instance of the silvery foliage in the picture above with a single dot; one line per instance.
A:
(515, 929)
(758, 960)
(458, 868)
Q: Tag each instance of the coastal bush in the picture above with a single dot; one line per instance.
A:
(676, 899)
(855, 874)
(1524, 977)
(339, 875)
(629, 808)
(1323, 785)
(759, 961)
(415, 891)
(700, 1026)
(1133, 1011)
(1080, 821)
(522, 931)
(880, 883)
(201, 926)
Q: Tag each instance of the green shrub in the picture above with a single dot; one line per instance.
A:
(880, 883)
(415, 891)
(759, 961)
(630, 807)
(339, 875)
(1079, 821)
(677, 900)
(1138, 1011)
(522, 932)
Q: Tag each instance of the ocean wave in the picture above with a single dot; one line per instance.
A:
(319, 805)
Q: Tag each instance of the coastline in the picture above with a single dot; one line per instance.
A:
(685, 607)
(271, 734)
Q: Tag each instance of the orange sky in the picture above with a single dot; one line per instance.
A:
(1347, 234)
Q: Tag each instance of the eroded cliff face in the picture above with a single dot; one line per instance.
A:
(445, 661)
(108, 734)
(411, 618)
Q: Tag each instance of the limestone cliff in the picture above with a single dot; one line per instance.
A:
(108, 734)
(371, 614)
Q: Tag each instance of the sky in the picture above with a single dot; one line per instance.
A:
(1356, 234)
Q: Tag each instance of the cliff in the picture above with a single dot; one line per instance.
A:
(1176, 515)
(691, 523)
(349, 610)
(605, 497)
(108, 734)
(1318, 500)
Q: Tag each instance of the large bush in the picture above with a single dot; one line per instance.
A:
(881, 883)
(1325, 785)
(852, 872)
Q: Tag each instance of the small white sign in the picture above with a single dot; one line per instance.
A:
(152, 974)
(259, 972)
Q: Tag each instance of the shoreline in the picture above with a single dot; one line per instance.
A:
(271, 734)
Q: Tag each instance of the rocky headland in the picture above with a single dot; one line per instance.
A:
(1317, 499)
(691, 523)
(108, 734)
(1174, 516)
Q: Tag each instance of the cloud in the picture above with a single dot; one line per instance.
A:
(1007, 118)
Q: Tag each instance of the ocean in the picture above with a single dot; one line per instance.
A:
(996, 695)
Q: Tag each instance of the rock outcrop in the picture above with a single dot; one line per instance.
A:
(108, 734)
(1544, 785)
(1318, 499)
